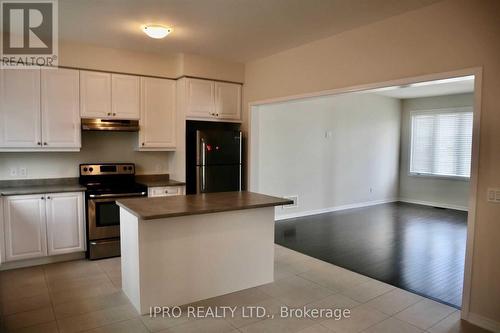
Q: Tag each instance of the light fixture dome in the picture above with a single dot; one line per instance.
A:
(156, 30)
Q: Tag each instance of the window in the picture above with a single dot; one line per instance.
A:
(441, 142)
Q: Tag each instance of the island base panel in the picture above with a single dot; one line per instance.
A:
(180, 260)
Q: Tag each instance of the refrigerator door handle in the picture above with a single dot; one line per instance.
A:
(203, 177)
(203, 166)
(203, 150)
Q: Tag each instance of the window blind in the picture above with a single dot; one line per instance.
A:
(441, 143)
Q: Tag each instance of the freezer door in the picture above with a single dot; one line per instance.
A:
(218, 147)
(218, 178)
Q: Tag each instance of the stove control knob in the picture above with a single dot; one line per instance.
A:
(85, 169)
(130, 168)
(91, 169)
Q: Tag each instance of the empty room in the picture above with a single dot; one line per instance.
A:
(380, 180)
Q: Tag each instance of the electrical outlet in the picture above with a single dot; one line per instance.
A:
(494, 195)
(23, 172)
(13, 172)
(295, 199)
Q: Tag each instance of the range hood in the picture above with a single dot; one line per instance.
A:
(110, 125)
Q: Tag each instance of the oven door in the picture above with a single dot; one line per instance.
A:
(103, 218)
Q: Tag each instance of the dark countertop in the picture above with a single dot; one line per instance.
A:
(39, 186)
(157, 180)
(195, 204)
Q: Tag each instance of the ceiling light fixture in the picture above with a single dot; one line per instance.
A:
(156, 31)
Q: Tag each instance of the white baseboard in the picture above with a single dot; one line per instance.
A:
(483, 322)
(434, 204)
(41, 261)
(332, 209)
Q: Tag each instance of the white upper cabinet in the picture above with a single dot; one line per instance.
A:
(200, 98)
(25, 229)
(20, 117)
(60, 108)
(212, 100)
(95, 94)
(228, 100)
(125, 96)
(65, 223)
(157, 123)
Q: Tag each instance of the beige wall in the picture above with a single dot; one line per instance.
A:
(143, 63)
(441, 192)
(449, 35)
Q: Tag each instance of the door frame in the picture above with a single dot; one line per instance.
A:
(253, 133)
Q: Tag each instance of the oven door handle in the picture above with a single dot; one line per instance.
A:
(121, 195)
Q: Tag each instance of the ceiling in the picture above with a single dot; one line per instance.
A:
(450, 86)
(236, 30)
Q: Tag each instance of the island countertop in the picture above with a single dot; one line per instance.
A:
(195, 204)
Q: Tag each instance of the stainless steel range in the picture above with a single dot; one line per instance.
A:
(105, 183)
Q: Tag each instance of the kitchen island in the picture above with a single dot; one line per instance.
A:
(182, 249)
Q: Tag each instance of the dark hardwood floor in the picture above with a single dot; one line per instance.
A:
(413, 247)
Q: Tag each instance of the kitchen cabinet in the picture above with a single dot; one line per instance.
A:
(25, 228)
(125, 102)
(20, 118)
(157, 123)
(65, 224)
(200, 98)
(165, 191)
(228, 100)
(95, 94)
(109, 96)
(206, 99)
(39, 110)
(60, 108)
(43, 224)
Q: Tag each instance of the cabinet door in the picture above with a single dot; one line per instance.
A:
(20, 108)
(200, 95)
(157, 124)
(65, 226)
(25, 231)
(95, 95)
(125, 96)
(61, 108)
(228, 100)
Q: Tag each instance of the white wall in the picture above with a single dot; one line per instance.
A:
(439, 192)
(96, 147)
(295, 157)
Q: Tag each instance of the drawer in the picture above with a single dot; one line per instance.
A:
(165, 191)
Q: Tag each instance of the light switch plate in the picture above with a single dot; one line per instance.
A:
(494, 195)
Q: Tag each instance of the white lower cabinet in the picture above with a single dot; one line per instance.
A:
(65, 225)
(25, 228)
(43, 224)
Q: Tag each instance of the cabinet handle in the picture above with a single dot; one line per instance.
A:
(42, 198)
(143, 143)
(216, 114)
(48, 198)
(45, 143)
(109, 113)
(114, 114)
(39, 143)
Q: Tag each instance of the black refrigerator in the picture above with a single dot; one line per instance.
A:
(217, 162)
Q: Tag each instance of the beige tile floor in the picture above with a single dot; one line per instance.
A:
(86, 296)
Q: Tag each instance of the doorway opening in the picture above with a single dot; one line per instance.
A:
(383, 178)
